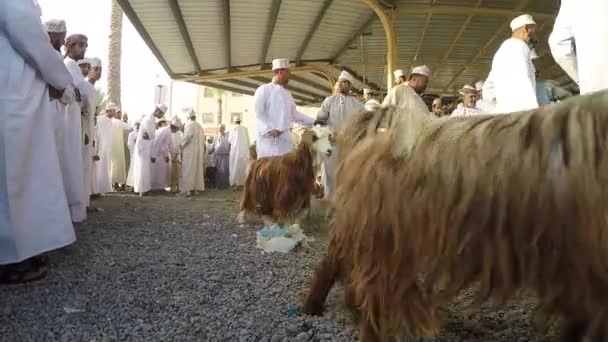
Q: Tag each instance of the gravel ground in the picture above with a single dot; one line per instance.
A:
(178, 269)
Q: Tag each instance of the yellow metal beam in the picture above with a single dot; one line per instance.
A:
(388, 23)
(468, 10)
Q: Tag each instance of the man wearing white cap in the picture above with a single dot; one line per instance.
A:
(131, 146)
(486, 101)
(370, 102)
(400, 76)
(407, 96)
(579, 42)
(334, 111)
(469, 95)
(72, 164)
(275, 111)
(142, 182)
(34, 214)
(161, 156)
(437, 107)
(102, 183)
(512, 72)
(239, 154)
(88, 117)
(93, 100)
(193, 149)
(177, 136)
(119, 158)
(57, 30)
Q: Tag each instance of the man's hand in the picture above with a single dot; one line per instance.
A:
(96, 158)
(145, 136)
(153, 160)
(55, 94)
(77, 94)
(86, 139)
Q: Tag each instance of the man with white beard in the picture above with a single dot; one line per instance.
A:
(161, 155)
(119, 161)
(193, 150)
(131, 139)
(76, 46)
(103, 151)
(34, 213)
(142, 182)
(239, 155)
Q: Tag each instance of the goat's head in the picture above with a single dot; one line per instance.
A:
(320, 139)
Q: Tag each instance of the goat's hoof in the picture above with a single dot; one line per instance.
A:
(312, 309)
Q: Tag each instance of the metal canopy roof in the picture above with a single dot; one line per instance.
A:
(230, 44)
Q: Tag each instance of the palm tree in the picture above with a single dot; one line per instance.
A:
(219, 95)
(103, 101)
(114, 53)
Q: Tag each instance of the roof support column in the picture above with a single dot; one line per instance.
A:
(388, 23)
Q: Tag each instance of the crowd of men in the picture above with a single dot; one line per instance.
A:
(58, 149)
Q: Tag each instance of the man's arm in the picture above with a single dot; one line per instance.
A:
(323, 113)
(263, 121)
(21, 23)
(562, 44)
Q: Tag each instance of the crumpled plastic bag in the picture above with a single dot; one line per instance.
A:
(278, 239)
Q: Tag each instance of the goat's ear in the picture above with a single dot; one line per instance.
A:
(308, 137)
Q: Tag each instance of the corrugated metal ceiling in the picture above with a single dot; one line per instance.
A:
(214, 41)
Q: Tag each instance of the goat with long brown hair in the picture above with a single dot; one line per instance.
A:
(506, 202)
(280, 188)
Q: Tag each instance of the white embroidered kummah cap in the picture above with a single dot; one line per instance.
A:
(522, 20)
(421, 70)
(95, 62)
(84, 61)
(468, 89)
(398, 73)
(345, 76)
(162, 107)
(112, 106)
(281, 63)
(55, 25)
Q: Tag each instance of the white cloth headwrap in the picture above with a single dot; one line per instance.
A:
(175, 121)
(55, 25)
(398, 73)
(162, 107)
(344, 75)
(84, 61)
(95, 62)
(112, 106)
(522, 20)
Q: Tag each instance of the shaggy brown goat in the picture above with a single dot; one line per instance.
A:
(506, 202)
(280, 188)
